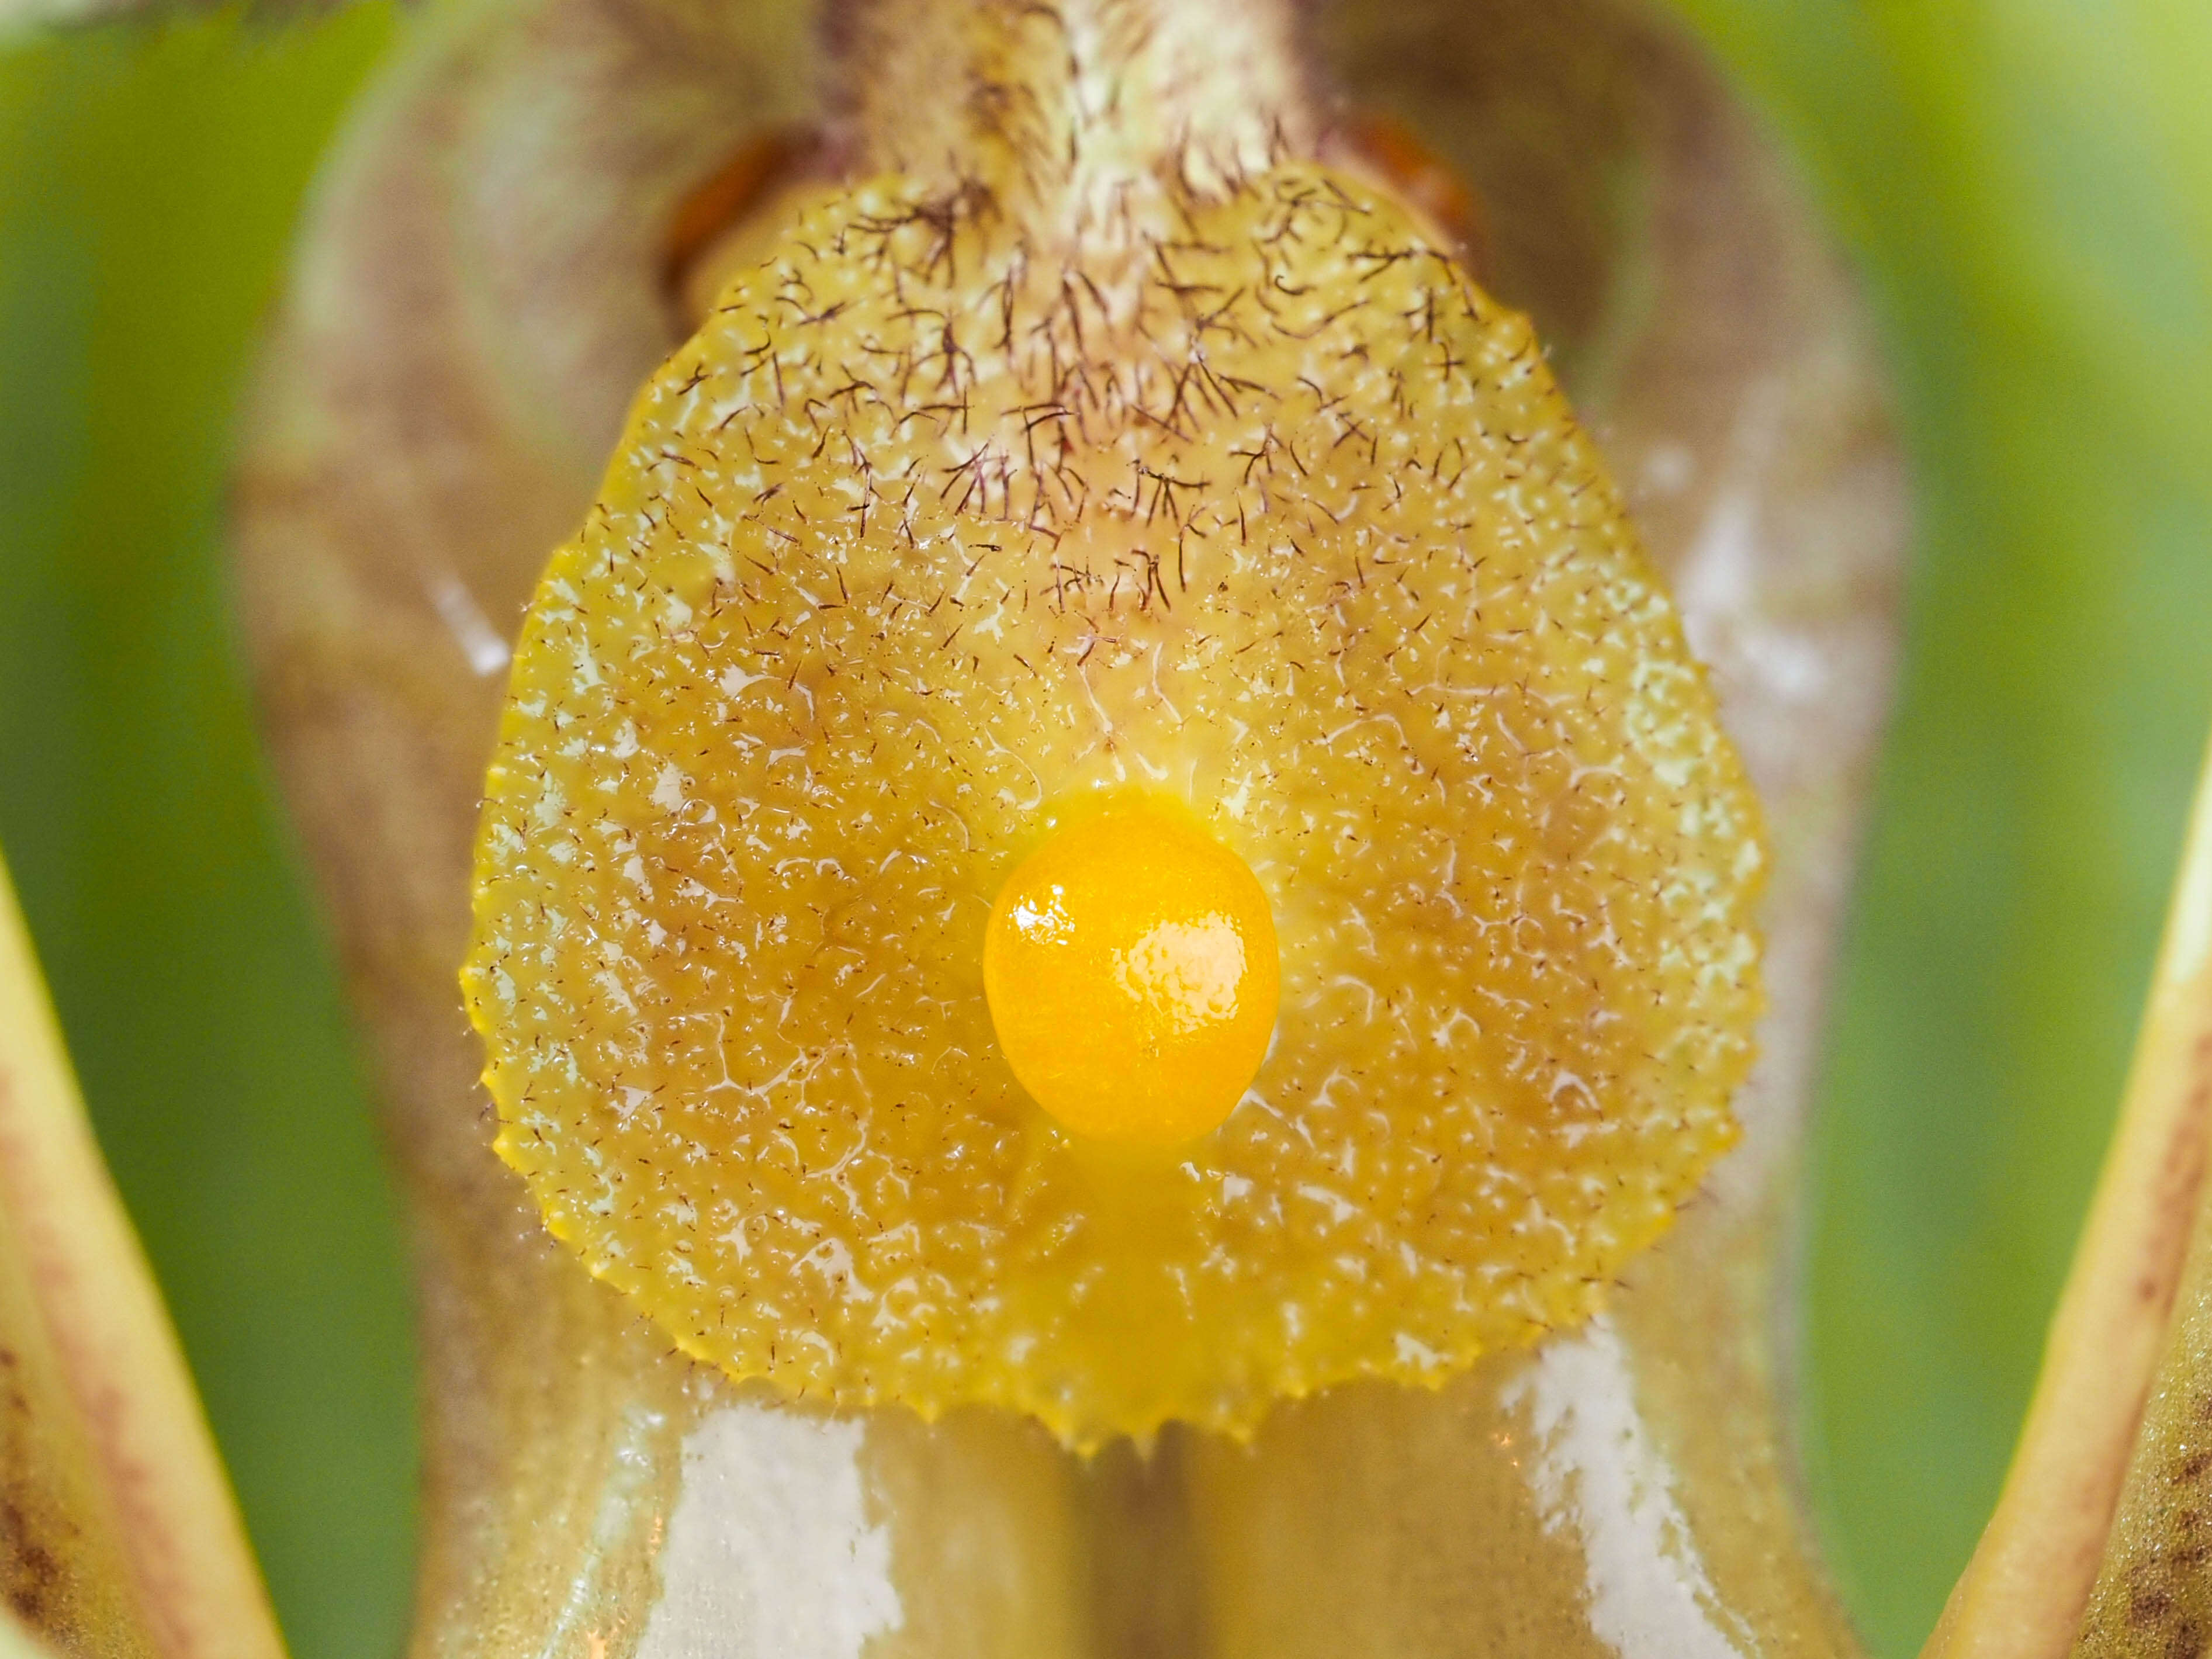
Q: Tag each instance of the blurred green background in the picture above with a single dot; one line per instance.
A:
(2026, 185)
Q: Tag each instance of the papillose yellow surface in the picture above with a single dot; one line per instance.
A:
(1123, 837)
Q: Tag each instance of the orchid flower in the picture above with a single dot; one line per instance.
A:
(537, 202)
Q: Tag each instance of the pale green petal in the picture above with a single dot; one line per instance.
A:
(120, 1535)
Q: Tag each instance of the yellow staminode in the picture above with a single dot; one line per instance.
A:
(1252, 502)
(1130, 965)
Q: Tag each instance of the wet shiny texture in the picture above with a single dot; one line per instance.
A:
(1131, 971)
(401, 458)
(1264, 504)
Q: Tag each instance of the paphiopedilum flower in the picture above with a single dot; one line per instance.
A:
(486, 282)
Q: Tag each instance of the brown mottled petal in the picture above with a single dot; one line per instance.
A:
(479, 296)
(2101, 1544)
(118, 1532)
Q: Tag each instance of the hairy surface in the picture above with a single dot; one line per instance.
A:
(1261, 503)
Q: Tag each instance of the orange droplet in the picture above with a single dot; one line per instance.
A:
(1131, 969)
